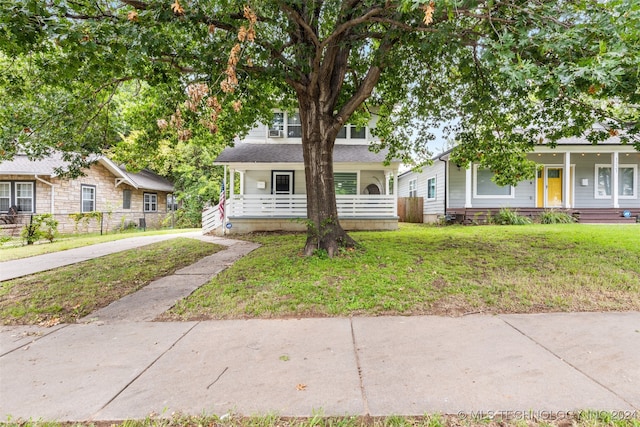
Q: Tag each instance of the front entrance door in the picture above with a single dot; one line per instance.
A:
(554, 188)
(282, 182)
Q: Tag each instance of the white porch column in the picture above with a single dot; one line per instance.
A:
(232, 175)
(241, 182)
(467, 186)
(567, 180)
(615, 165)
(387, 178)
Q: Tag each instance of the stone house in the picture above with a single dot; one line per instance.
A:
(106, 198)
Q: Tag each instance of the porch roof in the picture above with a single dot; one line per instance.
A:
(292, 153)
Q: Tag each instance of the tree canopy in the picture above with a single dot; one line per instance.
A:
(504, 74)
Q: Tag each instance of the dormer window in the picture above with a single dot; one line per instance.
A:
(276, 130)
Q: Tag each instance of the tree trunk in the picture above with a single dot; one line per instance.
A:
(318, 138)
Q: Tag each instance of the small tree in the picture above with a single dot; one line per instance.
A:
(40, 226)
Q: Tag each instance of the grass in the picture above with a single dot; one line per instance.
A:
(527, 419)
(431, 270)
(68, 293)
(8, 252)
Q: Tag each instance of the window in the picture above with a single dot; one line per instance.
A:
(126, 199)
(277, 125)
(413, 188)
(358, 132)
(626, 181)
(5, 196)
(150, 202)
(343, 133)
(345, 182)
(172, 203)
(486, 188)
(431, 188)
(88, 196)
(24, 196)
(294, 127)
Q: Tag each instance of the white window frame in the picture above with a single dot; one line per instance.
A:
(511, 194)
(413, 187)
(82, 199)
(289, 125)
(8, 185)
(435, 188)
(599, 166)
(32, 198)
(352, 129)
(150, 205)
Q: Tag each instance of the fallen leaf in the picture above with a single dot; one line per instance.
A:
(301, 387)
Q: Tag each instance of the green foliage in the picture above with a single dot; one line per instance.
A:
(509, 217)
(41, 226)
(85, 218)
(556, 217)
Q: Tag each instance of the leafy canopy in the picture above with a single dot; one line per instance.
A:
(82, 77)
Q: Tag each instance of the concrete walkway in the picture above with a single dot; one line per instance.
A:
(117, 365)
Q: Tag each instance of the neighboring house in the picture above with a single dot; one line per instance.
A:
(269, 166)
(595, 183)
(124, 198)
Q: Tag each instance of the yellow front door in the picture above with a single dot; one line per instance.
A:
(554, 187)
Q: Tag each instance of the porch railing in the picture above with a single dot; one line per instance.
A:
(295, 206)
(211, 219)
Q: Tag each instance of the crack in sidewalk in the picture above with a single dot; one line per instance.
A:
(566, 362)
(365, 401)
(153, 362)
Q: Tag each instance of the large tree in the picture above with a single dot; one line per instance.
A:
(503, 73)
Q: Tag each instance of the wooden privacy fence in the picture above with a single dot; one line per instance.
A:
(410, 209)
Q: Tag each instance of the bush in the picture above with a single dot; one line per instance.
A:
(556, 217)
(509, 217)
(41, 226)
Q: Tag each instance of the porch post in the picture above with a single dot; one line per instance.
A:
(241, 182)
(567, 180)
(387, 178)
(614, 179)
(467, 186)
(232, 175)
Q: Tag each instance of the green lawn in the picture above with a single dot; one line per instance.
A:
(422, 269)
(68, 293)
(9, 251)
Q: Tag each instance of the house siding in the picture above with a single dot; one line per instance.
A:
(109, 199)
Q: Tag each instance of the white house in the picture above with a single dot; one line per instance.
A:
(595, 183)
(269, 165)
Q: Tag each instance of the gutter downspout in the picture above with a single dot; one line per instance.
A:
(53, 192)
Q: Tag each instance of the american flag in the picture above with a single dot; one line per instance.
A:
(221, 202)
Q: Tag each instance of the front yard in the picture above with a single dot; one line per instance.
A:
(417, 270)
(430, 270)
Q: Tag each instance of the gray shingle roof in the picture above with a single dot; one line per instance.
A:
(292, 153)
(21, 165)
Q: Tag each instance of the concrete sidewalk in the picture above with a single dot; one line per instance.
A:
(337, 366)
(25, 266)
(116, 364)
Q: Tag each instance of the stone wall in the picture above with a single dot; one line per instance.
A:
(109, 200)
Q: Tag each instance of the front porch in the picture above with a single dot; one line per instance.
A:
(248, 213)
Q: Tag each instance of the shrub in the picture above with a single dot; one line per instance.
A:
(41, 226)
(510, 217)
(556, 217)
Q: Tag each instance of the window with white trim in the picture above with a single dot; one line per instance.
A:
(346, 182)
(277, 125)
(627, 188)
(294, 126)
(413, 188)
(485, 187)
(431, 188)
(24, 196)
(126, 199)
(358, 132)
(88, 198)
(172, 203)
(5, 196)
(150, 202)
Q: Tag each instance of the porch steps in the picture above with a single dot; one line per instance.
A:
(590, 215)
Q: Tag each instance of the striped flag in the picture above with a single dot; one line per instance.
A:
(221, 202)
